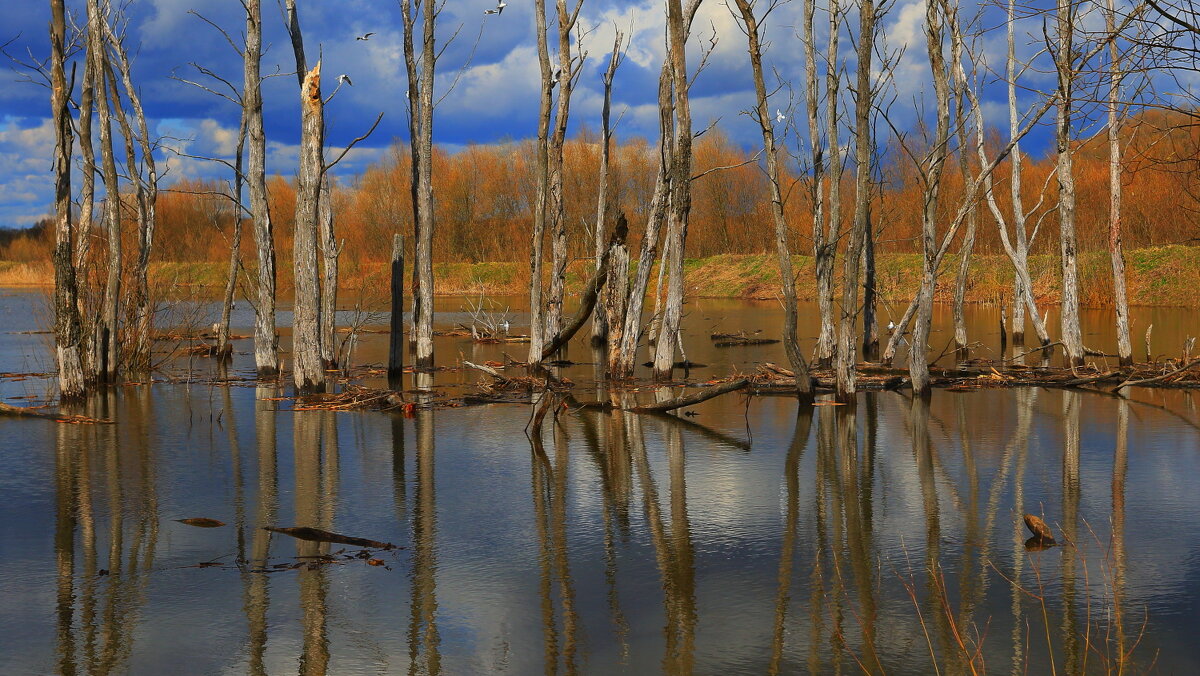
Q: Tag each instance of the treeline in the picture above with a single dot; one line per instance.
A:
(485, 193)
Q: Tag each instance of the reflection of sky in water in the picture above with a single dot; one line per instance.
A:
(492, 561)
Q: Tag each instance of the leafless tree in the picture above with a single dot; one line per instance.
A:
(420, 72)
(105, 340)
(1066, 66)
(266, 342)
(537, 321)
(68, 332)
(1120, 296)
(960, 84)
(600, 323)
(680, 189)
(762, 115)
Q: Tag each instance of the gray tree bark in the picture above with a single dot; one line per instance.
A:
(266, 342)
(762, 114)
(224, 347)
(330, 252)
(68, 333)
(308, 370)
(825, 244)
(681, 189)
(1120, 296)
(845, 386)
(1064, 63)
(964, 164)
(537, 314)
(600, 320)
(105, 340)
(420, 97)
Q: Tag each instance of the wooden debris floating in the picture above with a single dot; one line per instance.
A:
(202, 522)
(739, 339)
(1039, 529)
(318, 535)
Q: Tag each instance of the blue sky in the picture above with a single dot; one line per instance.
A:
(495, 98)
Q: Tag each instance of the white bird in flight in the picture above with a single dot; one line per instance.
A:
(346, 79)
(779, 117)
(366, 36)
(500, 5)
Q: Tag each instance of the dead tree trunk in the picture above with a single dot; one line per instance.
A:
(105, 340)
(616, 297)
(396, 338)
(870, 295)
(845, 357)
(600, 320)
(964, 164)
(565, 77)
(1064, 62)
(146, 183)
(537, 315)
(825, 243)
(762, 115)
(224, 347)
(420, 98)
(330, 252)
(68, 334)
(308, 370)
(681, 189)
(266, 342)
(1120, 297)
(918, 365)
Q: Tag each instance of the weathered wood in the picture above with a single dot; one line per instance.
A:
(1065, 55)
(827, 224)
(396, 339)
(105, 326)
(224, 347)
(587, 302)
(1039, 528)
(308, 371)
(1116, 255)
(330, 252)
(693, 399)
(266, 342)
(68, 332)
(1144, 381)
(1149, 354)
(601, 321)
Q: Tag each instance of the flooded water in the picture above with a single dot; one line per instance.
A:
(750, 538)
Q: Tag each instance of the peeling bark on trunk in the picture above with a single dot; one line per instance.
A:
(307, 369)
(845, 357)
(681, 189)
(762, 115)
(68, 333)
(616, 300)
(537, 315)
(266, 342)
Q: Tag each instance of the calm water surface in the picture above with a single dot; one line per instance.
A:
(749, 538)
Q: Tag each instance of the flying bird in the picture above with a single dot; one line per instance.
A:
(779, 117)
(499, 8)
(343, 78)
(366, 36)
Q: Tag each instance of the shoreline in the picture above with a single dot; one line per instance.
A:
(1156, 277)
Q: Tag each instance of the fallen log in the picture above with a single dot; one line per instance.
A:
(1143, 381)
(318, 535)
(692, 399)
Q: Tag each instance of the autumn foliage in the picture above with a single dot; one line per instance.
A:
(484, 192)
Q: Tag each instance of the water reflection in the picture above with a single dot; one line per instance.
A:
(884, 538)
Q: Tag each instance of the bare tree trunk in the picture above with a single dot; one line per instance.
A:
(396, 339)
(681, 189)
(330, 252)
(870, 295)
(1120, 297)
(537, 316)
(968, 242)
(845, 358)
(68, 334)
(600, 320)
(420, 94)
(616, 299)
(224, 347)
(825, 245)
(266, 342)
(106, 326)
(630, 335)
(762, 114)
(1072, 337)
(307, 370)
(918, 365)
(87, 192)
(147, 201)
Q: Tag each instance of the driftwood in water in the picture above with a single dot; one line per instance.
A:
(1039, 529)
(318, 535)
(1155, 379)
(1149, 355)
(24, 412)
(693, 399)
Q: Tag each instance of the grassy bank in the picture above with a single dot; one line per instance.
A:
(1161, 276)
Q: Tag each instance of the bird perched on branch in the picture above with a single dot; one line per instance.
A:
(499, 8)
(366, 36)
